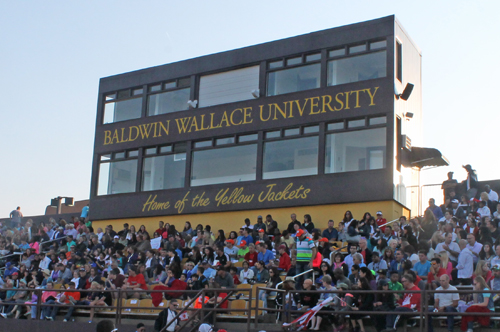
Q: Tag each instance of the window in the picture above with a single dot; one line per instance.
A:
(357, 49)
(224, 165)
(164, 172)
(228, 87)
(124, 105)
(357, 68)
(289, 158)
(399, 61)
(377, 120)
(117, 177)
(172, 97)
(336, 125)
(355, 151)
(294, 79)
(378, 44)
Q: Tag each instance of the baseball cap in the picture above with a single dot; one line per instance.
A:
(282, 247)
(261, 230)
(259, 217)
(82, 269)
(9, 264)
(323, 240)
(343, 285)
(116, 237)
(230, 241)
(455, 201)
(379, 212)
(15, 274)
(300, 232)
(496, 267)
(243, 243)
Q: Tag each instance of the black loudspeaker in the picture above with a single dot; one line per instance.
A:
(68, 201)
(53, 202)
(407, 91)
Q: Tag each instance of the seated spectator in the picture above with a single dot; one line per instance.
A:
(331, 233)
(252, 256)
(261, 275)
(377, 264)
(383, 302)
(482, 270)
(307, 300)
(322, 314)
(482, 303)
(367, 274)
(362, 302)
(435, 273)
(233, 271)
(246, 274)
(338, 262)
(134, 283)
(284, 259)
(423, 266)
(324, 270)
(272, 282)
(224, 279)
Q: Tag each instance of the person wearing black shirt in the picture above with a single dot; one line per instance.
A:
(174, 259)
(202, 281)
(222, 258)
(291, 229)
(308, 300)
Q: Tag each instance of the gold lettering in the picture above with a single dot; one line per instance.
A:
(270, 188)
(224, 119)
(145, 130)
(326, 104)
(314, 104)
(162, 127)
(180, 204)
(347, 100)
(357, 97)
(301, 109)
(340, 101)
(107, 137)
(115, 136)
(183, 124)
(247, 115)
(212, 122)
(372, 95)
(283, 113)
(261, 110)
(154, 131)
(122, 140)
(231, 117)
(194, 123)
(130, 133)
(202, 121)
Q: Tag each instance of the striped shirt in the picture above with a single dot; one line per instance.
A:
(304, 249)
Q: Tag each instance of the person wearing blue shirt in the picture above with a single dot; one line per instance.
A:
(423, 266)
(397, 264)
(331, 233)
(438, 213)
(264, 255)
(247, 237)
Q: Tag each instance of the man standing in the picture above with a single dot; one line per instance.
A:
(465, 263)
(331, 233)
(474, 246)
(381, 220)
(15, 217)
(448, 186)
(446, 302)
(167, 316)
(306, 252)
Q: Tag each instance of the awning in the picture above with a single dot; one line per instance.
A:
(422, 157)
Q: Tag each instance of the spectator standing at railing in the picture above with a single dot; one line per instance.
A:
(306, 252)
(16, 217)
(465, 264)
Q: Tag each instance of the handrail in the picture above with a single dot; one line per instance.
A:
(58, 239)
(298, 275)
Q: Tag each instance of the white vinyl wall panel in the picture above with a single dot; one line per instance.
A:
(227, 87)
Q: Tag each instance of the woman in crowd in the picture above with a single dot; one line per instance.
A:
(445, 262)
(482, 303)
(347, 218)
(338, 262)
(366, 273)
(380, 246)
(410, 254)
(388, 255)
(324, 270)
(246, 275)
(324, 311)
(482, 270)
(208, 255)
(188, 230)
(221, 238)
(383, 302)
(407, 234)
(487, 253)
(261, 273)
(363, 302)
(428, 226)
(272, 282)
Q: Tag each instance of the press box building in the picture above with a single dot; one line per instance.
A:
(309, 124)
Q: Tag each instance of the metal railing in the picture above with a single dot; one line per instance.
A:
(252, 311)
(298, 275)
(49, 241)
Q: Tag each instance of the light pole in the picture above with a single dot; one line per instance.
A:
(57, 203)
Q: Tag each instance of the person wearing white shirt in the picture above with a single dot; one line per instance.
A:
(492, 195)
(496, 260)
(44, 263)
(100, 234)
(465, 264)
(483, 210)
(446, 302)
(474, 246)
(449, 246)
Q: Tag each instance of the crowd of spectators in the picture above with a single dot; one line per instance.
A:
(457, 243)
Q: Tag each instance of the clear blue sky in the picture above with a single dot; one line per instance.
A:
(54, 52)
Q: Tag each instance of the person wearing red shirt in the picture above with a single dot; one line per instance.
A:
(435, 272)
(160, 229)
(251, 256)
(409, 303)
(285, 262)
(381, 221)
(135, 281)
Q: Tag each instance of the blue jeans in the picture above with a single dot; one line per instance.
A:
(299, 268)
(449, 319)
(263, 296)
